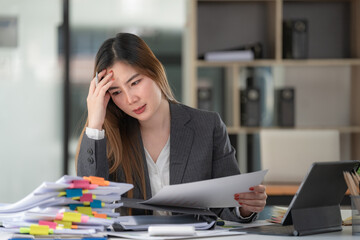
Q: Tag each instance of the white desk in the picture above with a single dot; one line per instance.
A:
(346, 234)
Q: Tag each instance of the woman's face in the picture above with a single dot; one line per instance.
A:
(134, 93)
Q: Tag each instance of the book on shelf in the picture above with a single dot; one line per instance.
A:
(239, 55)
(242, 53)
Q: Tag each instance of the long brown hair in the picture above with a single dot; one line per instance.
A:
(121, 130)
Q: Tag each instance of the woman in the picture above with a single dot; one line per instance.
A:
(136, 132)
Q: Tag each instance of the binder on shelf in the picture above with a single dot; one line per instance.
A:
(285, 104)
(295, 39)
(250, 107)
(205, 96)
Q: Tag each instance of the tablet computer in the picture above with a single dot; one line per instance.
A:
(315, 208)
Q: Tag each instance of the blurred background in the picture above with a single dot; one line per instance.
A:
(32, 73)
(299, 89)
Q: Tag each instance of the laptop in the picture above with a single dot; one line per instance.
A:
(315, 208)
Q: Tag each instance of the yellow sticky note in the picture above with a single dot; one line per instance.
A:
(61, 194)
(39, 229)
(72, 217)
(64, 223)
(84, 210)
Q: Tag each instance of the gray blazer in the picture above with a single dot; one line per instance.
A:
(199, 150)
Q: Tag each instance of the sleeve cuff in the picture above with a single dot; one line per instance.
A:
(95, 134)
(237, 211)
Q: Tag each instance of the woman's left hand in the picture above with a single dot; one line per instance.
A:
(253, 201)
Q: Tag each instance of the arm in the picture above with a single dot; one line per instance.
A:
(92, 160)
(225, 164)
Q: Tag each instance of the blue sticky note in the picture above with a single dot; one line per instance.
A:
(95, 204)
(74, 206)
(75, 192)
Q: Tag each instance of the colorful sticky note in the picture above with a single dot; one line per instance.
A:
(66, 224)
(72, 217)
(84, 184)
(97, 180)
(84, 210)
(100, 215)
(48, 223)
(87, 197)
(85, 218)
(75, 205)
(96, 204)
(75, 192)
(24, 230)
(39, 229)
(61, 194)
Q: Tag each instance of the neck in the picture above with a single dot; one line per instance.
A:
(160, 121)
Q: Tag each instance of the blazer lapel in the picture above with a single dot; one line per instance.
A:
(181, 139)
(146, 171)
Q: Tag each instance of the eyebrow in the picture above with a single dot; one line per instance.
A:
(131, 78)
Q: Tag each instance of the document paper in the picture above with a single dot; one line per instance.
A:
(214, 193)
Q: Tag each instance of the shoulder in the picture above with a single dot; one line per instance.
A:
(195, 118)
(181, 110)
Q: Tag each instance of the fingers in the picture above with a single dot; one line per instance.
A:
(258, 188)
(253, 201)
(103, 85)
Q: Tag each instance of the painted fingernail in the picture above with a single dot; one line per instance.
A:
(236, 195)
(251, 189)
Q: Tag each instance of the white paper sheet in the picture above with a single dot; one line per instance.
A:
(199, 234)
(214, 193)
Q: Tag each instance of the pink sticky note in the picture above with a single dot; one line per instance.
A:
(50, 224)
(84, 218)
(84, 184)
(86, 197)
(59, 216)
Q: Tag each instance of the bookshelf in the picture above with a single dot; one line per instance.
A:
(334, 42)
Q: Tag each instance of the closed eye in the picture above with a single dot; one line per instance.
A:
(116, 93)
(136, 82)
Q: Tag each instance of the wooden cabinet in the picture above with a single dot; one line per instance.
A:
(331, 68)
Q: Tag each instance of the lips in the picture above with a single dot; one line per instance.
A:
(140, 109)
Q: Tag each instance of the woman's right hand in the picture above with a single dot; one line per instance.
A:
(98, 99)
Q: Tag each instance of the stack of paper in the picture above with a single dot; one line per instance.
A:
(71, 205)
(277, 214)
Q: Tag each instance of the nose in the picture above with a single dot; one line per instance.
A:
(130, 97)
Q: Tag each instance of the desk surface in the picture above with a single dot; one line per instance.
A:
(346, 234)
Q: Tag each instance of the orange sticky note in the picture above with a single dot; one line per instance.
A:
(100, 215)
(39, 229)
(97, 180)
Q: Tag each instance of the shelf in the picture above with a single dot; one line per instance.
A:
(284, 189)
(269, 62)
(281, 189)
(249, 130)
